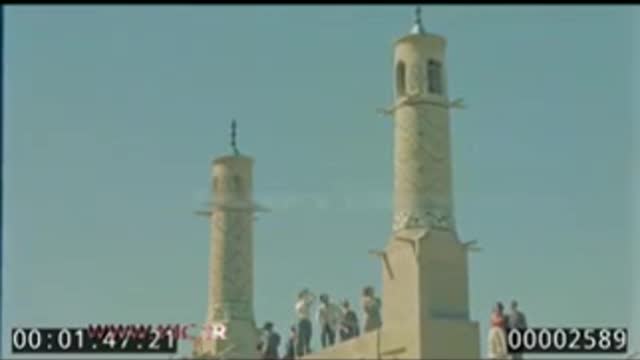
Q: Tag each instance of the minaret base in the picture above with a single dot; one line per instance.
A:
(449, 340)
(241, 343)
(424, 302)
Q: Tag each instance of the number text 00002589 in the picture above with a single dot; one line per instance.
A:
(568, 340)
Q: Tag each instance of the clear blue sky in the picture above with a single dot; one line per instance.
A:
(113, 114)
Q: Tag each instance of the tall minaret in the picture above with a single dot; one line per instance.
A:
(422, 150)
(231, 260)
(425, 281)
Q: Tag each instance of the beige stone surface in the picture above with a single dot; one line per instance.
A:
(425, 294)
(422, 149)
(425, 285)
(231, 260)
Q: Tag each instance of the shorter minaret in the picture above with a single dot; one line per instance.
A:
(231, 259)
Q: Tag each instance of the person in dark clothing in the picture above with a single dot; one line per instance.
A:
(515, 320)
(329, 319)
(349, 325)
(290, 350)
(371, 306)
(270, 343)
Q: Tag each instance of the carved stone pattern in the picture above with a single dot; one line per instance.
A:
(233, 299)
(422, 173)
(237, 260)
(422, 169)
(240, 310)
(217, 262)
(436, 146)
(225, 311)
(218, 313)
(429, 219)
(404, 180)
(438, 218)
(410, 156)
(436, 137)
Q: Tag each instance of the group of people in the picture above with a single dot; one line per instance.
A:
(500, 323)
(334, 321)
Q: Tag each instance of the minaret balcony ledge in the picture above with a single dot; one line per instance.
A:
(420, 99)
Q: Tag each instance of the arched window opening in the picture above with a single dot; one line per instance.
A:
(237, 185)
(401, 83)
(434, 77)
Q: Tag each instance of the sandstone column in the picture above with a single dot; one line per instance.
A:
(231, 271)
(425, 282)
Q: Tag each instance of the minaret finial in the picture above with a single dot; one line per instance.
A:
(234, 146)
(417, 24)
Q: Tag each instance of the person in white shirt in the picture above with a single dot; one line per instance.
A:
(303, 314)
(497, 335)
(329, 318)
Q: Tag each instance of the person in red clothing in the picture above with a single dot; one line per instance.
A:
(497, 316)
(497, 335)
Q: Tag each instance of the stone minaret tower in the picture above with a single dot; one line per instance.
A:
(425, 286)
(425, 281)
(231, 259)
